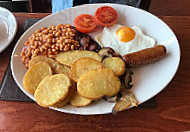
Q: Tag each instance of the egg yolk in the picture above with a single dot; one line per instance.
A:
(125, 34)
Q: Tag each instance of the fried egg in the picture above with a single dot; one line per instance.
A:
(124, 39)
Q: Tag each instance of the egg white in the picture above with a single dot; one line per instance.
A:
(107, 38)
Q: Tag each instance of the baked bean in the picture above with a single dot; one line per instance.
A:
(45, 31)
(39, 34)
(33, 35)
(49, 36)
(67, 33)
(35, 43)
(64, 43)
(64, 30)
(22, 54)
(53, 40)
(49, 42)
(60, 25)
(50, 52)
(54, 50)
(51, 56)
(65, 37)
(73, 30)
(67, 25)
(40, 38)
(42, 28)
(72, 47)
(72, 34)
(53, 27)
(45, 53)
(35, 46)
(38, 31)
(25, 52)
(45, 47)
(32, 41)
(32, 51)
(66, 40)
(41, 49)
(61, 45)
(23, 58)
(59, 30)
(57, 34)
(53, 46)
(37, 39)
(57, 48)
(54, 32)
(68, 44)
(34, 55)
(36, 51)
(26, 43)
(39, 43)
(64, 33)
(66, 48)
(60, 41)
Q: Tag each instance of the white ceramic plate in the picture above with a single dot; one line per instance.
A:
(8, 28)
(148, 80)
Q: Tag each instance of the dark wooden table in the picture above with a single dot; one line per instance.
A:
(171, 114)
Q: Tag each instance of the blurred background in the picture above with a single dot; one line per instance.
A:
(157, 7)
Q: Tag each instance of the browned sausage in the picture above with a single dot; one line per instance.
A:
(145, 56)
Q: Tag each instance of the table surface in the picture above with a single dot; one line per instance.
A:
(171, 114)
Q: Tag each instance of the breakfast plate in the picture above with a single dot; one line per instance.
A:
(8, 28)
(148, 80)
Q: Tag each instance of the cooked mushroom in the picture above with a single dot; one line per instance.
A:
(111, 99)
(127, 100)
(128, 79)
(104, 52)
(84, 40)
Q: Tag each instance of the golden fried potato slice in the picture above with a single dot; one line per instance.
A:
(127, 100)
(116, 64)
(52, 89)
(83, 65)
(72, 90)
(35, 75)
(57, 68)
(95, 84)
(79, 101)
(69, 57)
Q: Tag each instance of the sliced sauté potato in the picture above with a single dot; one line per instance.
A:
(83, 65)
(52, 89)
(97, 83)
(72, 90)
(127, 100)
(69, 57)
(116, 64)
(35, 75)
(57, 68)
(79, 101)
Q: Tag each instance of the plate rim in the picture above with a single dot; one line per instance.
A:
(14, 33)
(71, 112)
